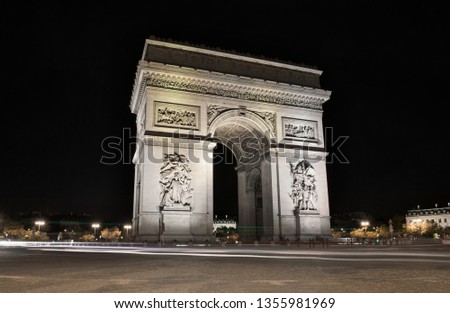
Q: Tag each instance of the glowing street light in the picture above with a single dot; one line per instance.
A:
(365, 224)
(95, 226)
(127, 227)
(39, 224)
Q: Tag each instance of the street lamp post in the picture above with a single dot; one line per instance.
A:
(391, 229)
(39, 224)
(95, 226)
(127, 227)
(365, 224)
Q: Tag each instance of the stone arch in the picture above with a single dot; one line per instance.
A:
(245, 133)
(249, 138)
(259, 123)
(248, 110)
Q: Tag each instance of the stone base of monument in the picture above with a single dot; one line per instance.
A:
(177, 208)
(174, 225)
(310, 225)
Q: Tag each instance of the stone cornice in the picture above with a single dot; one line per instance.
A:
(138, 89)
(224, 85)
(229, 63)
(229, 55)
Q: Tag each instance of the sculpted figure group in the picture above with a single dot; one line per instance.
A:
(304, 194)
(175, 181)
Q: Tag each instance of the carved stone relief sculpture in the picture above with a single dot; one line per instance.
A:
(300, 129)
(175, 182)
(214, 111)
(304, 193)
(173, 115)
(268, 117)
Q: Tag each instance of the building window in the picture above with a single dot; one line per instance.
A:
(445, 220)
(440, 221)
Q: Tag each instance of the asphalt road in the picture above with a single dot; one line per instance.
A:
(226, 269)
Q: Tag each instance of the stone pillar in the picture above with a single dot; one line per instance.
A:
(186, 213)
(269, 209)
(246, 203)
(303, 194)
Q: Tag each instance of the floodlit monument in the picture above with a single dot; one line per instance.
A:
(268, 113)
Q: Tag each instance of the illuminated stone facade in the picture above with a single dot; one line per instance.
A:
(270, 116)
(440, 216)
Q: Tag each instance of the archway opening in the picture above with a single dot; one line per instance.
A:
(243, 141)
(225, 184)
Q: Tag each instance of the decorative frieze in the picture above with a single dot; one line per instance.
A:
(229, 90)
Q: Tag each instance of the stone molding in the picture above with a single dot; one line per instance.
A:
(241, 92)
(224, 85)
(215, 110)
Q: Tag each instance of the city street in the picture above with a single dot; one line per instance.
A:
(409, 268)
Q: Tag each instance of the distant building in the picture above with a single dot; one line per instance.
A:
(437, 215)
(223, 222)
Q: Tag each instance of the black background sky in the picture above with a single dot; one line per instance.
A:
(68, 70)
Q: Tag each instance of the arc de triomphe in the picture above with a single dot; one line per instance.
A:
(270, 116)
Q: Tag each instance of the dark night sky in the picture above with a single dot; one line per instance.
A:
(68, 71)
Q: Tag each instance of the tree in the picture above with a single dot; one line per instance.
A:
(17, 232)
(383, 232)
(357, 233)
(337, 233)
(362, 233)
(226, 234)
(111, 234)
(423, 229)
(446, 231)
(87, 237)
(371, 234)
(414, 229)
(397, 223)
(434, 230)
